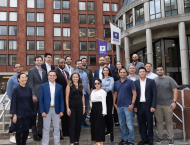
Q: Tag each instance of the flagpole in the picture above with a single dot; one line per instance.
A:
(115, 25)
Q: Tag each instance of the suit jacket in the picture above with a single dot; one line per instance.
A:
(137, 66)
(45, 68)
(137, 77)
(35, 81)
(150, 93)
(96, 75)
(112, 68)
(72, 69)
(45, 98)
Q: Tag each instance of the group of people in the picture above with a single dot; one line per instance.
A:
(65, 94)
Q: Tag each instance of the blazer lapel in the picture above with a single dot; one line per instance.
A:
(139, 84)
(48, 89)
(36, 70)
(147, 83)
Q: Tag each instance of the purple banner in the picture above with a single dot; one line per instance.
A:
(102, 48)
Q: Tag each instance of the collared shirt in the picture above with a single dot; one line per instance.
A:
(109, 66)
(85, 80)
(124, 92)
(69, 69)
(109, 83)
(62, 70)
(143, 85)
(52, 93)
(100, 73)
(48, 66)
(151, 75)
(133, 78)
(40, 71)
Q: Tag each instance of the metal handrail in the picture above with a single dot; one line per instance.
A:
(3, 97)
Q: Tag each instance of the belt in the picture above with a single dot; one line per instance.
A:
(52, 106)
(143, 103)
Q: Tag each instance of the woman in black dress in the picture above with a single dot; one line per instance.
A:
(116, 77)
(75, 106)
(22, 110)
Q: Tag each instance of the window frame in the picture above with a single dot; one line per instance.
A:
(66, 42)
(27, 45)
(66, 17)
(81, 2)
(89, 45)
(54, 45)
(9, 45)
(6, 16)
(37, 44)
(139, 7)
(37, 32)
(37, 4)
(155, 11)
(27, 16)
(89, 60)
(5, 44)
(80, 45)
(9, 57)
(90, 2)
(13, 27)
(170, 9)
(37, 18)
(54, 31)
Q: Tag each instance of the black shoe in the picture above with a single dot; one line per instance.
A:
(150, 143)
(40, 136)
(142, 142)
(61, 138)
(122, 142)
(116, 124)
(36, 138)
(107, 133)
(130, 143)
(76, 143)
(85, 124)
(111, 137)
(159, 141)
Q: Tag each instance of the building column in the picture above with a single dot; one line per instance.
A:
(180, 4)
(146, 12)
(162, 8)
(124, 21)
(149, 46)
(118, 52)
(183, 54)
(133, 11)
(127, 51)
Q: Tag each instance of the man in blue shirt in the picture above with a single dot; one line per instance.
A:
(85, 82)
(125, 93)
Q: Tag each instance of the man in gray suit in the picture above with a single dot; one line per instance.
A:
(136, 63)
(36, 77)
(132, 75)
(68, 68)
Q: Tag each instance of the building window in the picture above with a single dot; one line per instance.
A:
(66, 5)
(120, 23)
(92, 59)
(82, 6)
(106, 20)
(30, 17)
(40, 45)
(170, 7)
(57, 45)
(12, 59)
(113, 19)
(109, 46)
(157, 55)
(39, 31)
(66, 45)
(91, 6)
(129, 17)
(3, 60)
(13, 30)
(3, 30)
(107, 33)
(12, 45)
(57, 31)
(3, 44)
(187, 6)
(82, 19)
(56, 58)
(30, 31)
(56, 4)
(83, 46)
(30, 45)
(40, 17)
(12, 16)
(114, 7)
(82, 32)
(91, 46)
(106, 7)
(66, 18)
(30, 3)
(57, 18)
(40, 4)
(13, 3)
(66, 32)
(155, 9)
(91, 32)
(139, 14)
(83, 56)
(3, 16)
(3, 3)
(91, 19)
(30, 60)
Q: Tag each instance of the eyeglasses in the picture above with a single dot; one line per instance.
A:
(96, 83)
(18, 67)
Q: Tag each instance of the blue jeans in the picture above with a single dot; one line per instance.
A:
(86, 109)
(126, 117)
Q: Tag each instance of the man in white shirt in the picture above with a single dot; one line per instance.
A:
(68, 67)
(150, 74)
(47, 65)
(98, 71)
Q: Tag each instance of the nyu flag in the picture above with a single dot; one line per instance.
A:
(115, 35)
(102, 48)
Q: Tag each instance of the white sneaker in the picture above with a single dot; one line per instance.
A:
(29, 137)
(12, 139)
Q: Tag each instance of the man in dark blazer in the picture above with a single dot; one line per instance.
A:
(36, 77)
(62, 79)
(107, 62)
(47, 65)
(145, 106)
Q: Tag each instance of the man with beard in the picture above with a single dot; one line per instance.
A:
(150, 74)
(68, 67)
(132, 75)
(107, 62)
(62, 79)
(136, 63)
(166, 102)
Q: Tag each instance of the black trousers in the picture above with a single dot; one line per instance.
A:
(75, 121)
(65, 124)
(116, 120)
(97, 122)
(37, 130)
(108, 117)
(21, 139)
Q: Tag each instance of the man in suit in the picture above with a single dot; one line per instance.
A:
(68, 66)
(62, 79)
(47, 65)
(36, 77)
(132, 75)
(51, 105)
(136, 63)
(107, 62)
(145, 106)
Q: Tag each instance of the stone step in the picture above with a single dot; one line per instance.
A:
(7, 117)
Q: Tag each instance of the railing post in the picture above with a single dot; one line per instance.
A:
(4, 115)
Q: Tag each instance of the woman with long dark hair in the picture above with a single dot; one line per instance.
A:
(22, 110)
(107, 85)
(75, 106)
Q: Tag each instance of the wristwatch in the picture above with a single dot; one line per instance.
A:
(174, 101)
(133, 103)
